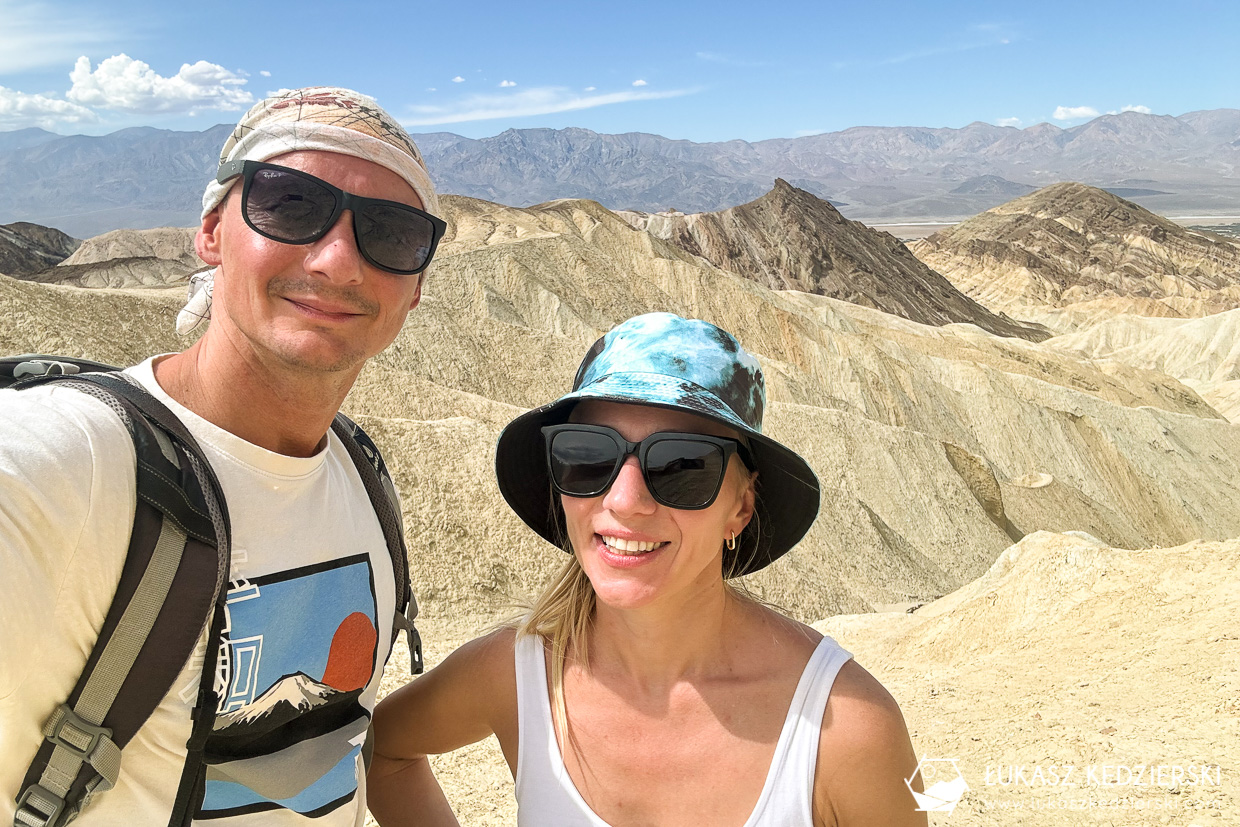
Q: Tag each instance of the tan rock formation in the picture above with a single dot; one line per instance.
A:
(1055, 254)
(1204, 354)
(129, 258)
(790, 239)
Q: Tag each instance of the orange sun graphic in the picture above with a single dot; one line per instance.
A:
(351, 657)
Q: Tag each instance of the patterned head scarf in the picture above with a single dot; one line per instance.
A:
(324, 118)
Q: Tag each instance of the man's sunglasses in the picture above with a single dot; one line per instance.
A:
(293, 207)
(681, 470)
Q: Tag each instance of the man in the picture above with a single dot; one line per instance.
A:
(319, 227)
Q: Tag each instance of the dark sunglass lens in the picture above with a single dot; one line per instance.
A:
(582, 463)
(684, 473)
(287, 206)
(394, 238)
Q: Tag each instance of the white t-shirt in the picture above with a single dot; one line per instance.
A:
(310, 609)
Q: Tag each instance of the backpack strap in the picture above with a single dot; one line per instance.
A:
(386, 503)
(173, 581)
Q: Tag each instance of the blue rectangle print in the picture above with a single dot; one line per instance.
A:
(301, 648)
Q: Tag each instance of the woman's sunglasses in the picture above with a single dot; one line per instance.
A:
(681, 470)
(293, 207)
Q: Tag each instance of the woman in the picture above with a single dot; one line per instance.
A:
(643, 689)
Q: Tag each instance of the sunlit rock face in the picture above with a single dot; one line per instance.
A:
(1069, 254)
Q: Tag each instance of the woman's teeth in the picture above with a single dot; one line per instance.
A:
(623, 546)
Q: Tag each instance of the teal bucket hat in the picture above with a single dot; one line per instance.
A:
(663, 360)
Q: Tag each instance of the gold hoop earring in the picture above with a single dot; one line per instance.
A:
(731, 542)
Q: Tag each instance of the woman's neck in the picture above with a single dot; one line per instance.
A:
(660, 645)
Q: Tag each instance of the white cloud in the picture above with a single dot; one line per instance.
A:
(127, 85)
(639, 82)
(458, 79)
(431, 89)
(978, 36)
(504, 84)
(19, 110)
(1008, 122)
(538, 101)
(1072, 113)
(1144, 110)
(265, 73)
(716, 57)
(590, 88)
(40, 35)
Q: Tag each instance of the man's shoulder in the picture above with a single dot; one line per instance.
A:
(56, 415)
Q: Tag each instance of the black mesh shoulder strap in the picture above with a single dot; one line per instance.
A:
(386, 503)
(171, 586)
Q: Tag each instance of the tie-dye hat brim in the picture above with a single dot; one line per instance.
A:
(663, 360)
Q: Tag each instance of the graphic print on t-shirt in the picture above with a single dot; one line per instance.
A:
(299, 650)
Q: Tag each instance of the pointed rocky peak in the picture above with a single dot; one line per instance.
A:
(790, 239)
(787, 199)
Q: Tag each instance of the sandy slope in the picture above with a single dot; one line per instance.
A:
(1068, 652)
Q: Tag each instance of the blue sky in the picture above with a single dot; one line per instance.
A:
(679, 68)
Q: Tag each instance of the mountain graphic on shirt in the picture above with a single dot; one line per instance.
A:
(288, 697)
(294, 708)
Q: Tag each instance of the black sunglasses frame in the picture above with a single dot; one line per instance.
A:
(641, 449)
(344, 201)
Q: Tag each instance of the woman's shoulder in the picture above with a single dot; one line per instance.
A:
(864, 753)
(492, 651)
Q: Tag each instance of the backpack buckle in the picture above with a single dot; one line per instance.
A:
(44, 367)
(73, 732)
(38, 806)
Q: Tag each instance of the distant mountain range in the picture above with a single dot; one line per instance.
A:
(145, 177)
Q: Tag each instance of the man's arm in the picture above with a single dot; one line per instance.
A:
(469, 696)
(66, 498)
(66, 510)
(864, 757)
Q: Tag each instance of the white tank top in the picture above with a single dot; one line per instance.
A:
(547, 797)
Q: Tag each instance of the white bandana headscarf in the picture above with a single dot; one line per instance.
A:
(324, 118)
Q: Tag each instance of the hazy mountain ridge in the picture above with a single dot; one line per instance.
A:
(135, 178)
(146, 177)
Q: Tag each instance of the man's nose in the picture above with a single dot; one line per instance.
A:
(335, 255)
(628, 493)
